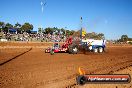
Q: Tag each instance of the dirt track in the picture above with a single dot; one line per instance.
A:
(36, 69)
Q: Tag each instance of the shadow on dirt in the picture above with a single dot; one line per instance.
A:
(14, 57)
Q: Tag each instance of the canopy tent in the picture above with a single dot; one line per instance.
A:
(33, 32)
(12, 30)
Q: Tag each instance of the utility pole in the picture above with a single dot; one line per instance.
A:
(81, 30)
(42, 8)
(65, 30)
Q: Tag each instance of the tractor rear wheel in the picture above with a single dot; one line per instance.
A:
(95, 50)
(73, 49)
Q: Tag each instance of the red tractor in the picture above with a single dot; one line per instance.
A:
(68, 46)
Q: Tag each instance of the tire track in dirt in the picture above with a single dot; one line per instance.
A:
(7, 61)
(72, 77)
(118, 65)
(37, 59)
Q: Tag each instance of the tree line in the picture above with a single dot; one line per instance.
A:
(56, 31)
(124, 38)
(27, 27)
(20, 28)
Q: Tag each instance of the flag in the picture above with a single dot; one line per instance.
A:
(83, 32)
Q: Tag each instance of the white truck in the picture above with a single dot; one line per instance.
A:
(96, 46)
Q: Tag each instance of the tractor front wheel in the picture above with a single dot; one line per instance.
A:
(52, 52)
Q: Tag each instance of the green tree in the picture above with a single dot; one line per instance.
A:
(68, 32)
(7, 27)
(77, 33)
(40, 30)
(129, 39)
(56, 30)
(101, 36)
(1, 25)
(124, 38)
(94, 35)
(49, 30)
(63, 31)
(26, 27)
(18, 27)
(72, 32)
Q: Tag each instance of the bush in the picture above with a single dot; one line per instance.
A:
(130, 43)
